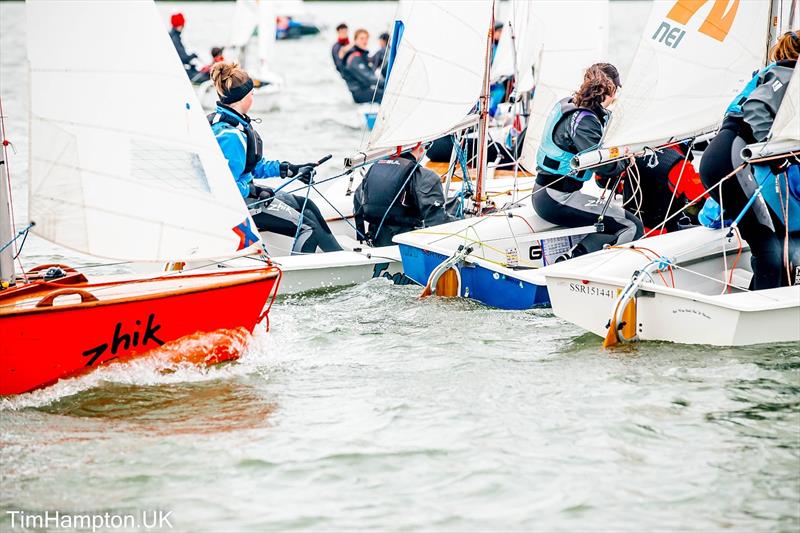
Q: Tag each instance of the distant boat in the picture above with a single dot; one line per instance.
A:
(123, 166)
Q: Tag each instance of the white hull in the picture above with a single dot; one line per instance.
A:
(695, 311)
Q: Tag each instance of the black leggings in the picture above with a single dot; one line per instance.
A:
(761, 231)
(577, 209)
(282, 216)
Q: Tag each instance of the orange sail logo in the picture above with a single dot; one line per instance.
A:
(716, 25)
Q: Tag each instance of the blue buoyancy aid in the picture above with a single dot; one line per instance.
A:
(254, 146)
(735, 107)
(552, 158)
(781, 192)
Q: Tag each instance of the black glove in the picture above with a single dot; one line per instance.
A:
(779, 166)
(261, 193)
(289, 170)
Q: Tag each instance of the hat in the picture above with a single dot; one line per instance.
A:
(177, 20)
(498, 25)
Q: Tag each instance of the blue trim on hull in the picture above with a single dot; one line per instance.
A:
(477, 283)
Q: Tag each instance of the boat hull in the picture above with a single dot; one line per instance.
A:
(479, 283)
(690, 305)
(42, 344)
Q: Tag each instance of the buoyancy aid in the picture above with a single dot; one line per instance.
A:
(552, 158)
(735, 107)
(255, 148)
(381, 186)
(781, 192)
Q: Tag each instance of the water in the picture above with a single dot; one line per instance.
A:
(367, 408)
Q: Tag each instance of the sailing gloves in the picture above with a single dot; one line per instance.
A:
(304, 171)
(265, 194)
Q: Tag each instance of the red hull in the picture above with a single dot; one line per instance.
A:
(118, 320)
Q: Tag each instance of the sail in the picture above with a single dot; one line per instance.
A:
(693, 59)
(786, 127)
(253, 36)
(266, 37)
(123, 162)
(245, 17)
(434, 82)
(519, 20)
(564, 42)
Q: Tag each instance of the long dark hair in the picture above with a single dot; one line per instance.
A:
(599, 81)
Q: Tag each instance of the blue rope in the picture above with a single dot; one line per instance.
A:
(20, 233)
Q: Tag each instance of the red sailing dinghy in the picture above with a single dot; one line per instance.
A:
(123, 166)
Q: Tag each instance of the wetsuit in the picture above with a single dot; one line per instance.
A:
(337, 47)
(379, 63)
(748, 120)
(559, 199)
(241, 146)
(186, 58)
(361, 80)
(401, 195)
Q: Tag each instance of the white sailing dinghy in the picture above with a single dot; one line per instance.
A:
(252, 45)
(493, 256)
(690, 286)
(105, 182)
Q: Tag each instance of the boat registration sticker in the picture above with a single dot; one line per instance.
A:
(593, 290)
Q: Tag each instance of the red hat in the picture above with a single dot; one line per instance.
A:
(177, 20)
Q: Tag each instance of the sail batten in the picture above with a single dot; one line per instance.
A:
(123, 163)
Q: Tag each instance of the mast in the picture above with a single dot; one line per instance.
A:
(483, 122)
(6, 230)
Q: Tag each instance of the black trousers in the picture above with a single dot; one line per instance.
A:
(282, 216)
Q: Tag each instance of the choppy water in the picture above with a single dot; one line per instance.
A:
(366, 408)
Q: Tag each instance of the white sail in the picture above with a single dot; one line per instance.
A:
(565, 41)
(123, 162)
(437, 74)
(693, 59)
(519, 21)
(787, 122)
(253, 36)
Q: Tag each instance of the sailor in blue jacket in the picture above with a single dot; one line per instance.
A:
(242, 147)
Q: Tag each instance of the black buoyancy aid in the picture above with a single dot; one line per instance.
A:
(381, 186)
(655, 186)
(255, 148)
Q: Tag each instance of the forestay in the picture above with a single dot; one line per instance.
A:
(693, 58)
(123, 162)
(566, 41)
(437, 73)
